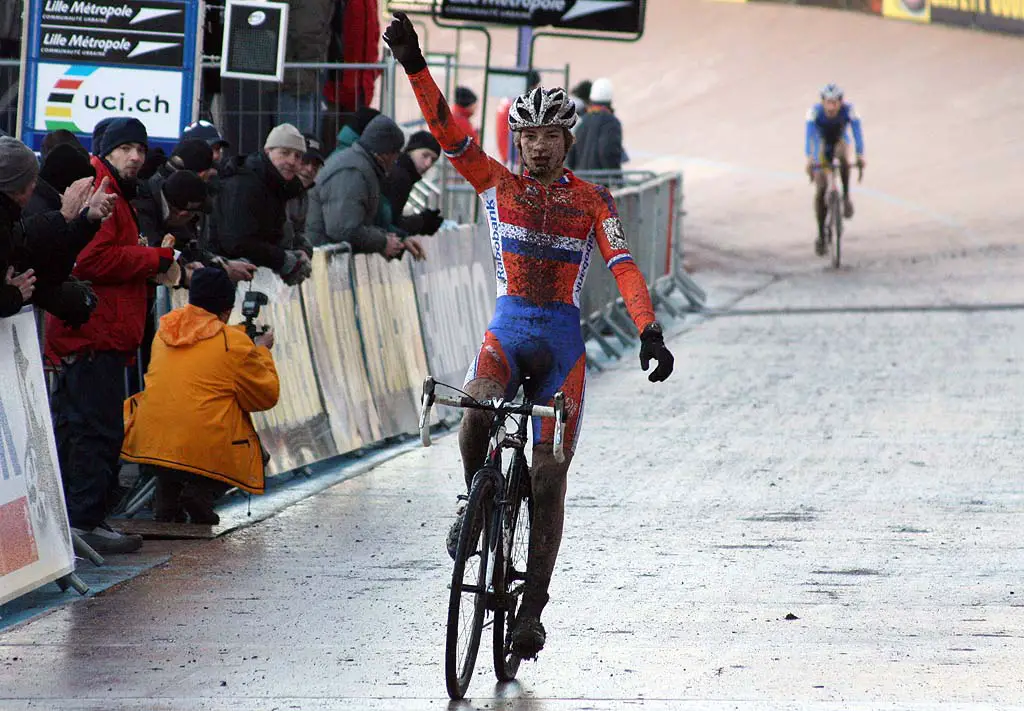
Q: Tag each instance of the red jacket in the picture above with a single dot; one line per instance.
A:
(462, 118)
(119, 269)
(501, 130)
(361, 45)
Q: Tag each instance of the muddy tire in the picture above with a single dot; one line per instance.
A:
(510, 555)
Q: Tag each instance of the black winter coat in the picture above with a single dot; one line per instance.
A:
(43, 242)
(396, 189)
(598, 143)
(250, 211)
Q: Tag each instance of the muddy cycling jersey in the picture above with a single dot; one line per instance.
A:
(824, 132)
(543, 240)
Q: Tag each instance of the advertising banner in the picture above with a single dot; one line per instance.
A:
(35, 542)
(92, 59)
(392, 340)
(338, 351)
(914, 10)
(455, 292)
(296, 431)
(1001, 16)
(625, 16)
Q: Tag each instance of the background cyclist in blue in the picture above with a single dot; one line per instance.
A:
(827, 124)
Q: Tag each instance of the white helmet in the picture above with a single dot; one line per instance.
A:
(542, 107)
(832, 92)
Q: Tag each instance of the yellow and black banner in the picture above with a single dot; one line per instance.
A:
(914, 10)
(993, 15)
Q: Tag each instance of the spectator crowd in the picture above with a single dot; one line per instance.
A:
(90, 228)
(87, 237)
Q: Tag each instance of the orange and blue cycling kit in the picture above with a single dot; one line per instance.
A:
(543, 240)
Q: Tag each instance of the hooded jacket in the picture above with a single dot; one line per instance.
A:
(204, 380)
(250, 211)
(119, 269)
(344, 203)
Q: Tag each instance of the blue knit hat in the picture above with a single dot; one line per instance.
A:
(121, 131)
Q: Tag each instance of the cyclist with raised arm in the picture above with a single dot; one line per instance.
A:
(544, 228)
(827, 124)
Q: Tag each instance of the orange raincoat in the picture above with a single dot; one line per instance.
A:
(204, 379)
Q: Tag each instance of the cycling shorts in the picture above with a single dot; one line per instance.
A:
(541, 349)
(828, 152)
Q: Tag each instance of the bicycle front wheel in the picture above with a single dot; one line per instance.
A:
(510, 556)
(467, 602)
(835, 248)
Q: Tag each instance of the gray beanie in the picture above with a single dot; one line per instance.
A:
(18, 165)
(382, 136)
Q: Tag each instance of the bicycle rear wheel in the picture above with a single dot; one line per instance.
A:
(510, 557)
(467, 602)
(836, 212)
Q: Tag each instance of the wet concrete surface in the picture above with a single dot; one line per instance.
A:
(818, 510)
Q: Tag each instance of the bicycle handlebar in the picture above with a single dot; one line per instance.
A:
(429, 398)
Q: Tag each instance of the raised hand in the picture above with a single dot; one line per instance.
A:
(401, 37)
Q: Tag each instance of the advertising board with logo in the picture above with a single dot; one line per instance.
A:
(92, 59)
(625, 16)
(914, 10)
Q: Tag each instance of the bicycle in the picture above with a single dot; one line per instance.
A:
(490, 559)
(834, 212)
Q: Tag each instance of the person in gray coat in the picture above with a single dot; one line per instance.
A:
(345, 202)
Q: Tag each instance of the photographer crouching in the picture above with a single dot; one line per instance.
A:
(191, 426)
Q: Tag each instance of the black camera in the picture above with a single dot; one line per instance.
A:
(251, 310)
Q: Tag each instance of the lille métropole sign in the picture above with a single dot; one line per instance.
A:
(623, 16)
(90, 59)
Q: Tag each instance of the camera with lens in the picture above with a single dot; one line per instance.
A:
(251, 305)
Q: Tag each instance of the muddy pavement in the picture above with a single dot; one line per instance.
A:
(816, 511)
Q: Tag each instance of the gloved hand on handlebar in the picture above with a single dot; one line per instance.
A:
(652, 345)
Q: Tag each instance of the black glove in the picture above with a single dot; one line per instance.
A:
(652, 345)
(431, 221)
(75, 302)
(401, 37)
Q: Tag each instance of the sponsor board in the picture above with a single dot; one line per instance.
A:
(35, 542)
(92, 59)
(625, 16)
(76, 97)
(915, 10)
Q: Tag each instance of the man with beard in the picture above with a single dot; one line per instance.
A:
(87, 404)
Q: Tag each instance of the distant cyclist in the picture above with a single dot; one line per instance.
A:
(827, 124)
(545, 226)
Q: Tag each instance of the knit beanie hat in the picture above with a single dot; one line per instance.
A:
(285, 136)
(18, 165)
(361, 119)
(582, 90)
(423, 139)
(97, 134)
(382, 136)
(464, 97)
(185, 190)
(211, 289)
(64, 164)
(121, 131)
(196, 154)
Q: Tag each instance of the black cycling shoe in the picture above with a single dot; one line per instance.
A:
(528, 637)
(819, 247)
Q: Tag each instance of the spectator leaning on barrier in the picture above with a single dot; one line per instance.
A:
(38, 251)
(599, 138)
(250, 209)
(168, 211)
(345, 203)
(87, 404)
(420, 154)
(295, 228)
(191, 426)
